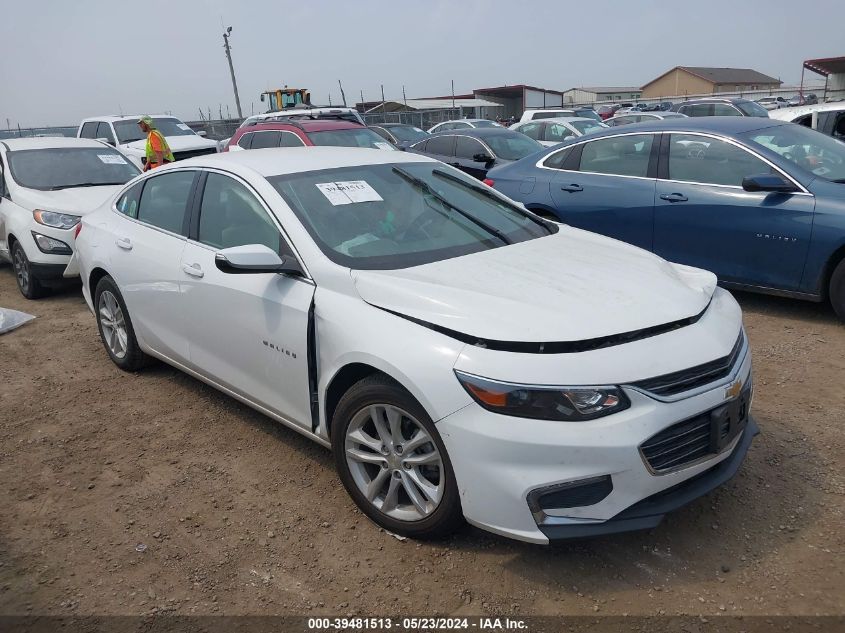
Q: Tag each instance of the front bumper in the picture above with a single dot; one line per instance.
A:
(649, 512)
(499, 461)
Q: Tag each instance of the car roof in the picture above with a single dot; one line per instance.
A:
(52, 142)
(727, 125)
(285, 160)
(561, 119)
(388, 125)
(478, 132)
(111, 118)
(714, 100)
(305, 125)
(787, 114)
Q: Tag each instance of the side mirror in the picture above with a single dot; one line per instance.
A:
(106, 140)
(769, 183)
(483, 158)
(202, 133)
(262, 96)
(255, 258)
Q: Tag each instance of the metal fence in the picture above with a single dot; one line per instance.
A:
(420, 118)
(752, 95)
(215, 130)
(31, 132)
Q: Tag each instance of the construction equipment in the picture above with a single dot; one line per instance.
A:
(282, 98)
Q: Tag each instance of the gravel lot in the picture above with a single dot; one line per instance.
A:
(237, 515)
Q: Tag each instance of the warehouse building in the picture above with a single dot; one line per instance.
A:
(699, 80)
(602, 93)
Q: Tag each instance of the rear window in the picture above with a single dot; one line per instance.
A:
(512, 146)
(66, 167)
(355, 137)
(749, 108)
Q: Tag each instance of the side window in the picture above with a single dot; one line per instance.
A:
(442, 145)
(723, 109)
(558, 133)
(445, 127)
(466, 147)
(711, 161)
(164, 200)
(839, 126)
(289, 139)
(261, 140)
(245, 141)
(127, 204)
(557, 160)
(104, 131)
(382, 133)
(806, 120)
(420, 147)
(699, 109)
(89, 130)
(230, 215)
(461, 126)
(620, 155)
(532, 130)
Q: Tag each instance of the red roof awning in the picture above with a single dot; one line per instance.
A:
(826, 66)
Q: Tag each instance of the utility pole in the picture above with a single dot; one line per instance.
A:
(404, 98)
(342, 94)
(383, 105)
(232, 70)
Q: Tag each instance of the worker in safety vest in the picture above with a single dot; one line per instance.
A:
(158, 151)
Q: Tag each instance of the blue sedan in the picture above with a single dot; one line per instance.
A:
(759, 202)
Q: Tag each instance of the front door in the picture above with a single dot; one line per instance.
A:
(466, 149)
(703, 216)
(247, 332)
(609, 189)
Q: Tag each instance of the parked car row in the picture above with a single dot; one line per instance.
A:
(422, 324)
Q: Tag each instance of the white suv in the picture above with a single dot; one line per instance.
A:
(123, 132)
(46, 185)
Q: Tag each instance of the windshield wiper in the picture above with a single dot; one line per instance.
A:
(83, 184)
(422, 184)
(491, 196)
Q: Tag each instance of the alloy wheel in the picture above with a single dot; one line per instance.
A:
(21, 269)
(394, 462)
(113, 324)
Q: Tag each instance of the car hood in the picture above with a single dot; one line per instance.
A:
(176, 143)
(76, 201)
(572, 286)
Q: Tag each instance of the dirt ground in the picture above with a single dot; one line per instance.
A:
(238, 515)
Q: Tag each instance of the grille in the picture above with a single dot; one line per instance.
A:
(699, 437)
(686, 379)
(194, 152)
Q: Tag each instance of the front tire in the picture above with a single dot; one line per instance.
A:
(29, 286)
(115, 327)
(836, 290)
(392, 461)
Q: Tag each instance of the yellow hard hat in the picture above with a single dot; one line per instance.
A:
(147, 120)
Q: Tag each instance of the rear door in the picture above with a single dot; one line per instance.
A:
(247, 332)
(703, 216)
(608, 187)
(466, 149)
(442, 148)
(145, 248)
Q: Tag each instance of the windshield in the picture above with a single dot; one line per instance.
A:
(512, 146)
(382, 217)
(128, 131)
(586, 127)
(62, 168)
(817, 153)
(407, 132)
(354, 137)
(483, 123)
(749, 108)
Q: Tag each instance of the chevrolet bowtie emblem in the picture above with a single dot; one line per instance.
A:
(733, 391)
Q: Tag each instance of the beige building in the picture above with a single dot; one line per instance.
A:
(697, 80)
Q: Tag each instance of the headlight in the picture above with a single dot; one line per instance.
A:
(572, 404)
(55, 220)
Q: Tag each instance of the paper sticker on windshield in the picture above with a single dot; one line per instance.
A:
(384, 146)
(349, 191)
(182, 126)
(111, 159)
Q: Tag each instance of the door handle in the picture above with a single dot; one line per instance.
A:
(194, 270)
(573, 188)
(124, 242)
(674, 197)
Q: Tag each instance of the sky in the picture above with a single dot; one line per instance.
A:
(64, 60)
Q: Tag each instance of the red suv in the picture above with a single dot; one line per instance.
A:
(286, 132)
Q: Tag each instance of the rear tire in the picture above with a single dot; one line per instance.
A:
(29, 286)
(115, 327)
(836, 291)
(398, 473)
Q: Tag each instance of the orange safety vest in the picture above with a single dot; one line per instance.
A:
(165, 148)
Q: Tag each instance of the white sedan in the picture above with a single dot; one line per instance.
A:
(46, 185)
(462, 357)
(550, 132)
